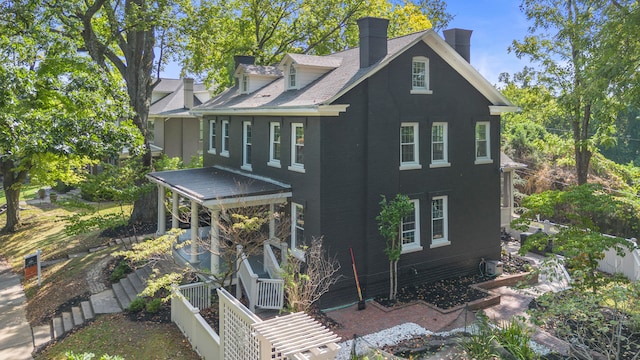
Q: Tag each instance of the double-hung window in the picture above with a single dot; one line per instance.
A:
(439, 151)
(244, 84)
(297, 229)
(274, 144)
(410, 229)
(409, 146)
(246, 145)
(420, 75)
(439, 221)
(483, 150)
(225, 138)
(212, 136)
(297, 147)
(292, 77)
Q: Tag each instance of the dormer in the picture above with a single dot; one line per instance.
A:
(253, 77)
(301, 70)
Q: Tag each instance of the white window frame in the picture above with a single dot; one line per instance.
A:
(224, 146)
(487, 145)
(296, 243)
(444, 162)
(246, 145)
(415, 244)
(444, 240)
(292, 77)
(244, 84)
(415, 163)
(424, 88)
(296, 166)
(212, 137)
(273, 160)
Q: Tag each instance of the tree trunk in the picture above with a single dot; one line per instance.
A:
(12, 184)
(145, 208)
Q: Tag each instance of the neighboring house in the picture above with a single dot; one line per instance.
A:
(173, 129)
(329, 135)
(507, 208)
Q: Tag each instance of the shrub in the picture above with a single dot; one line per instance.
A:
(515, 336)
(121, 270)
(154, 306)
(136, 305)
(482, 343)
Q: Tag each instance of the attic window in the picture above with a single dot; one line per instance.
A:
(292, 77)
(244, 84)
(420, 75)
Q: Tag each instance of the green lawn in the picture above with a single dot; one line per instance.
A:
(27, 192)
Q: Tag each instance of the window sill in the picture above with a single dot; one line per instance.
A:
(224, 153)
(483, 161)
(440, 243)
(440, 165)
(211, 151)
(411, 248)
(421, 92)
(410, 167)
(296, 168)
(275, 164)
(246, 167)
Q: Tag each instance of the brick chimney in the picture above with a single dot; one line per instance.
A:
(243, 59)
(373, 40)
(460, 41)
(187, 90)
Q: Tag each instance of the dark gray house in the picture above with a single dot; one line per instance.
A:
(328, 135)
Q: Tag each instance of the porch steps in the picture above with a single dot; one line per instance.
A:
(113, 300)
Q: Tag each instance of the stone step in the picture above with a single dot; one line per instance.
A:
(105, 302)
(67, 321)
(87, 311)
(128, 288)
(76, 313)
(137, 283)
(58, 328)
(42, 334)
(143, 273)
(121, 295)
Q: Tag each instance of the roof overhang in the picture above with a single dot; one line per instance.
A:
(216, 187)
(497, 110)
(315, 110)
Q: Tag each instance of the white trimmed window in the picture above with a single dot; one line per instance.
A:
(292, 80)
(297, 147)
(483, 151)
(246, 145)
(410, 230)
(409, 147)
(244, 84)
(420, 75)
(212, 136)
(225, 138)
(439, 146)
(297, 229)
(439, 222)
(274, 144)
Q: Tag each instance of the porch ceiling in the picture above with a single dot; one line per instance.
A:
(217, 187)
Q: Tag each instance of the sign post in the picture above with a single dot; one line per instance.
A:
(32, 266)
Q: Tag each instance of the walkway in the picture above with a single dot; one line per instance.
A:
(16, 340)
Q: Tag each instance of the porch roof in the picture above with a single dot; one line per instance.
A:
(217, 187)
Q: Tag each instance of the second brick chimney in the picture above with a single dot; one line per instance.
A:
(187, 85)
(460, 41)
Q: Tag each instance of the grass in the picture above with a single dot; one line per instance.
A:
(28, 192)
(117, 335)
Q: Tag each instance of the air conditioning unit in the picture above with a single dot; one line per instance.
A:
(494, 267)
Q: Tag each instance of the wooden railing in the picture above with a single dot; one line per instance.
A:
(195, 328)
(198, 294)
(262, 293)
(271, 265)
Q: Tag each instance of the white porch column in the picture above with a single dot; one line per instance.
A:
(162, 215)
(194, 232)
(174, 210)
(272, 222)
(215, 242)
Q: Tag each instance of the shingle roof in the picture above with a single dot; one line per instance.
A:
(173, 102)
(316, 61)
(261, 70)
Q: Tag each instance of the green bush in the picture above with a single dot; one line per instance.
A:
(136, 305)
(121, 270)
(482, 343)
(154, 306)
(514, 336)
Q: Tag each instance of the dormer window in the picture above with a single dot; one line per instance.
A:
(292, 77)
(244, 84)
(420, 75)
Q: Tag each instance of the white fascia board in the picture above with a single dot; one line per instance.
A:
(278, 198)
(497, 110)
(315, 110)
(182, 192)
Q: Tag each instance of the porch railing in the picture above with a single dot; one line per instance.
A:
(271, 265)
(262, 293)
(198, 294)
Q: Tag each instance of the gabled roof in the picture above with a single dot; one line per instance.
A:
(269, 71)
(319, 97)
(172, 104)
(329, 62)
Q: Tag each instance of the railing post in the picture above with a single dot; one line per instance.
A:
(238, 265)
(284, 252)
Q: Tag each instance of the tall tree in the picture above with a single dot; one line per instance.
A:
(566, 40)
(216, 30)
(57, 109)
(124, 35)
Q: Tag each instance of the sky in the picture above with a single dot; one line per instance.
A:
(495, 24)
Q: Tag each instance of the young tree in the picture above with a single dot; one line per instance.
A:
(389, 224)
(566, 41)
(58, 110)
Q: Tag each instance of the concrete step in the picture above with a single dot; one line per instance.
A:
(42, 334)
(121, 296)
(87, 311)
(105, 302)
(67, 321)
(76, 313)
(58, 328)
(143, 273)
(137, 283)
(128, 288)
